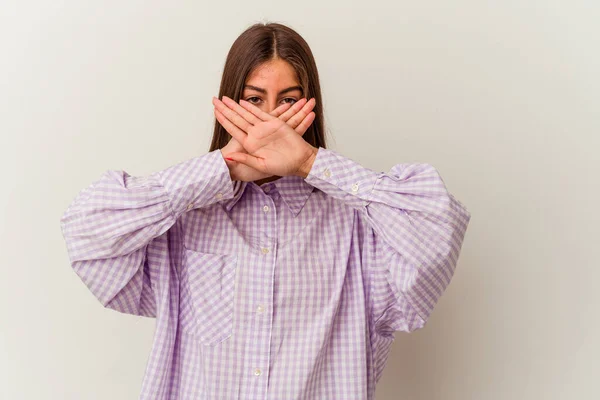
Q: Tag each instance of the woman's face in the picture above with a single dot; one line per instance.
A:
(272, 84)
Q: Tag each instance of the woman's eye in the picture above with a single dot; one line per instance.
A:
(255, 99)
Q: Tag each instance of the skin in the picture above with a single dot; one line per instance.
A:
(272, 146)
(266, 129)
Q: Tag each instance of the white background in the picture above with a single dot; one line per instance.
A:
(501, 97)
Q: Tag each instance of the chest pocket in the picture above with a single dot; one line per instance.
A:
(207, 295)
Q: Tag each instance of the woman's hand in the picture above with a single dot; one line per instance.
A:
(243, 172)
(273, 147)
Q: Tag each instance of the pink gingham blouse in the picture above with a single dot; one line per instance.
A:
(288, 290)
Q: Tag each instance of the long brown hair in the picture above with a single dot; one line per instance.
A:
(260, 43)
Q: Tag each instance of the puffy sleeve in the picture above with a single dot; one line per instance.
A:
(117, 229)
(413, 236)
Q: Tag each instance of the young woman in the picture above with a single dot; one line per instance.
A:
(275, 268)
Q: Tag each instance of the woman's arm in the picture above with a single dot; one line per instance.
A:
(113, 226)
(416, 232)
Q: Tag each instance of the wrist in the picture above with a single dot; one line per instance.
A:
(229, 165)
(306, 166)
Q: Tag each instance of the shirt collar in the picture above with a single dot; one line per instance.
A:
(294, 191)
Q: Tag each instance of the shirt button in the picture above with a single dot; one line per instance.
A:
(219, 195)
(266, 208)
(265, 250)
(190, 206)
(355, 187)
(257, 371)
(260, 308)
(267, 188)
(327, 173)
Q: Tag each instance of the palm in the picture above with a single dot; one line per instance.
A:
(239, 171)
(275, 144)
(287, 124)
(242, 171)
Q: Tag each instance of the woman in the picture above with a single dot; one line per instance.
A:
(275, 267)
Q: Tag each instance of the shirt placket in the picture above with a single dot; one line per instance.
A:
(264, 300)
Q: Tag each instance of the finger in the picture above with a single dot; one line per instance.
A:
(280, 110)
(256, 111)
(305, 124)
(231, 115)
(248, 116)
(293, 110)
(233, 130)
(251, 161)
(304, 111)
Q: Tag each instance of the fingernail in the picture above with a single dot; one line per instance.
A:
(230, 159)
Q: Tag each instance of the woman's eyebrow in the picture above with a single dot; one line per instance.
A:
(264, 91)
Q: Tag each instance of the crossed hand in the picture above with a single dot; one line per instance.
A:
(266, 144)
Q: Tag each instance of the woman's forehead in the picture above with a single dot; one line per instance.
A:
(273, 76)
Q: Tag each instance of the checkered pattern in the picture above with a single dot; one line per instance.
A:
(288, 290)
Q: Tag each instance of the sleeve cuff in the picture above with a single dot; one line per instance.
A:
(197, 182)
(342, 178)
